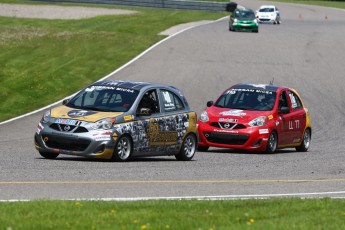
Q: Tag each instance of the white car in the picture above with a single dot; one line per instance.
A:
(268, 13)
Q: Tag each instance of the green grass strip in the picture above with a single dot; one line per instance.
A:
(289, 213)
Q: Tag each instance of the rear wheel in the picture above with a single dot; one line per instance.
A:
(187, 149)
(48, 155)
(305, 142)
(123, 149)
(272, 142)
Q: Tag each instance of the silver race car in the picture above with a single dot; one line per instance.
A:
(118, 120)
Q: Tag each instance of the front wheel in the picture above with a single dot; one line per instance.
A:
(272, 143)
(48, 155)
(123, 149)
(305, 142)
(187, 149)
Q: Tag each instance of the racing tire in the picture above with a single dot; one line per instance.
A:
(188, 148)
(272, 142)
(123, 149)
(48, 155)
(305, 142)
(202, 148)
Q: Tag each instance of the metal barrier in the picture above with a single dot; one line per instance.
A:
(164, 4)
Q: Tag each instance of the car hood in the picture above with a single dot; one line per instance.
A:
(65, 112)
(234, 115)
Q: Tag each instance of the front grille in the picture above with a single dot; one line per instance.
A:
(66, 143)
(68, 128)
(226, 138)
(224, 125)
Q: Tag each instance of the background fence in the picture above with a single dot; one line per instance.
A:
(165, 4)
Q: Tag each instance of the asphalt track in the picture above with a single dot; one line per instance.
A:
(305, 52)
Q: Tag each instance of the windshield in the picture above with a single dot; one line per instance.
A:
(104, 98)
(241, 15)
(247, 99)
(266, 10)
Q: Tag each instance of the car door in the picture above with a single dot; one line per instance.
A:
(298, 117)
(176, 120)
(287, 127)
(150, 117)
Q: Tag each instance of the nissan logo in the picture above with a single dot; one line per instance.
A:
(226, 125)
(67, 128)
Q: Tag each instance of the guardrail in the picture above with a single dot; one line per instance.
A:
(165, 4)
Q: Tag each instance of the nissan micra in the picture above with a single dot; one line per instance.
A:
(118, 120)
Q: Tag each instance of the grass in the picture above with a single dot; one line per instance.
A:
(291, 213)
(328, 3)
(42, 61)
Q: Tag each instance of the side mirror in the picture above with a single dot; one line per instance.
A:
(144, 112)
(284, 110)
(64, 102)
(209, 103)
(231, 6)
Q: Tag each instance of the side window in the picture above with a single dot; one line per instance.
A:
(171, 101)
(283, 102)
(150, 101)
(295, 101)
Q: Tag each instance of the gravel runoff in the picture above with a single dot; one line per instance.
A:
(56, 12)
(74, 12)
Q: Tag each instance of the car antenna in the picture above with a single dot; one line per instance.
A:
(271, 82)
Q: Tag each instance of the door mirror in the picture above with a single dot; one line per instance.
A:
(64, 102)
(284, 110)
(209, 103)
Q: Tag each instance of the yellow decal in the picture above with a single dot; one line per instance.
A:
(158, 137)
(270, 117)
(89, 116)
(128, 118)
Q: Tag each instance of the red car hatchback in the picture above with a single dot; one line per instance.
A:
(259, 118)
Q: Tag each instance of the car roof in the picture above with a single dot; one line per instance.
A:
(256, 86)
(267, 6)
(132, 84)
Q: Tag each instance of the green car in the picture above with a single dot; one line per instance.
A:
(243, 20)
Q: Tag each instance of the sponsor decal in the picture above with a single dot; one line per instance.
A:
(234, 112)
(270, 117)
(228, 120)
(233, 91)
(102, 138)
(65, 121)
(128, 117)
(39, 128)
(297, 140)
(263, 131)
(224, 131)
(80, 113)
(294, 124)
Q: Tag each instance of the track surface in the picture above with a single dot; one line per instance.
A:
(305, 52)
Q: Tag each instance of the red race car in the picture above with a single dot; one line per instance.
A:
(260, 118)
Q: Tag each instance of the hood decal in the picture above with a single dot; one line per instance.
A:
(81, 114)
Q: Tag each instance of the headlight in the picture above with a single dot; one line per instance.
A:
(106, 123)
(256, 21)
(204, 117)
(259, 121)
(46, 116)
(235, 20)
